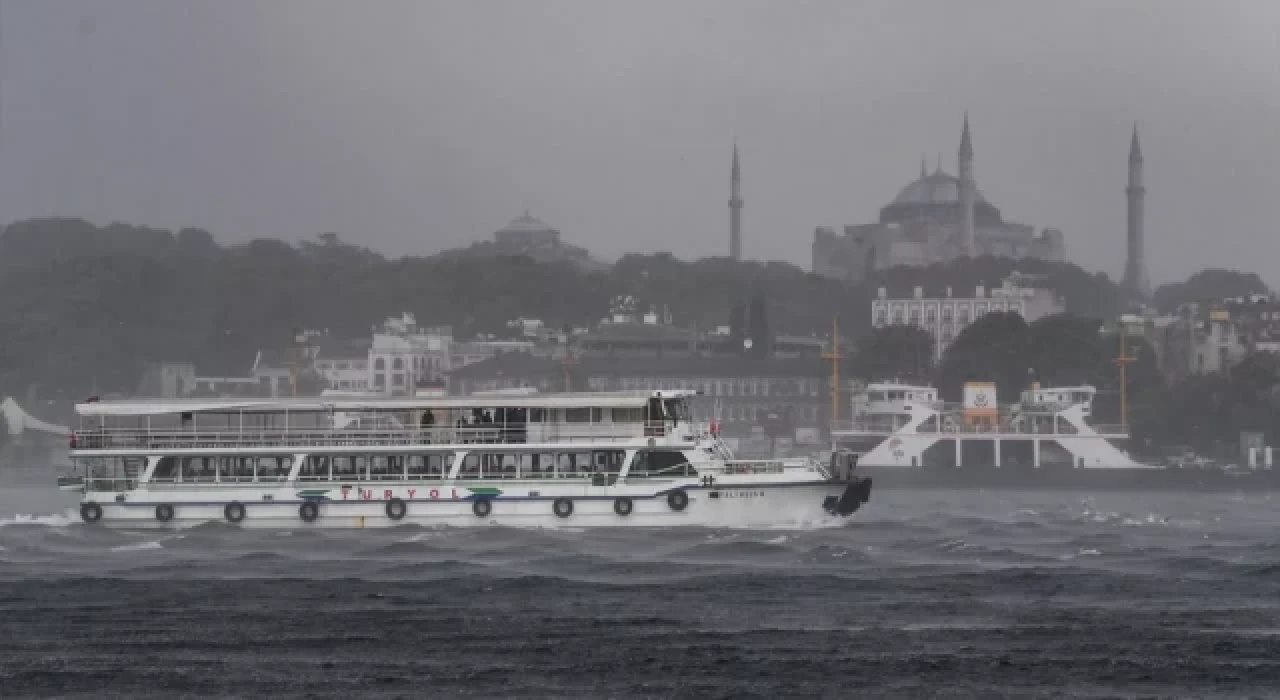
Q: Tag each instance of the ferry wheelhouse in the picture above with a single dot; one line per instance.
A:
(594, 459)
(901, 425)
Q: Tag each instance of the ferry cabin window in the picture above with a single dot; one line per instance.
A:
(315, 468)
(628, 415)
(386, 467)
(656, 462)
(584, 415)
(427, 466)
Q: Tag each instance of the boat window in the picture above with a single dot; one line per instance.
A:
(197, 469)
(583, 415)
(628, 415)
(608, 461)
(345, 468)
(581, 462)
(273, 468)
(316, 468)
(470, 467)
(166, 469)
(386, 467)
(110, 473)
(660, 463)
(540, 465)
(537, 415)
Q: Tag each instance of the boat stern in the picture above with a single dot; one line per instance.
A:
(856, 493)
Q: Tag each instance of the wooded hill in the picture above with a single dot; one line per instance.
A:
(86, 307)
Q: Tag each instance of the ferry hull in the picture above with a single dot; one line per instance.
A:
(1067, 479)
(765, 505)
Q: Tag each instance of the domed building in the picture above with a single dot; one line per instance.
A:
(527, 236)
(935, 218)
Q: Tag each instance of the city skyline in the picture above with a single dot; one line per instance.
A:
(388, 128)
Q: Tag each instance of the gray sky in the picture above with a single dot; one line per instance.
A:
(417, 125)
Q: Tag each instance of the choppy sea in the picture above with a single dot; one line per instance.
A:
(921, 594)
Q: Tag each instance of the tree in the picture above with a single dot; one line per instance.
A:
(1209, 285)
(989, 349)
(899, 351)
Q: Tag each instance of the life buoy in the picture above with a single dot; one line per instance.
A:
(623, 506)
(164, 512)
(482, 507)
(678, 500)
(233, 512)
(396, 509)
(562, 507)
(90, 512)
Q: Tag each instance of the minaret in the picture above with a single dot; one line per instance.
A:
(735, 208)
(1135, 267)
(967, 190)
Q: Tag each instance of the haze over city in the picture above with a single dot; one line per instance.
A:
(411, 127)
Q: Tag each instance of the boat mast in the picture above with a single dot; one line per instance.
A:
(835, 357)
(1123, 360)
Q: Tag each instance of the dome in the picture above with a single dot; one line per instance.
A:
(525, 224)
(938, 188)
(937, 197)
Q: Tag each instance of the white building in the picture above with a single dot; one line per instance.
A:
(403, 354)
(944, 317)
(345, 373)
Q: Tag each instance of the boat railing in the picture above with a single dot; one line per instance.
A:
(107, 484)
(754, 466)
(1028, 428)
(143, 439)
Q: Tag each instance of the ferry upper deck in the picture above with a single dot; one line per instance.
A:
(137, 424)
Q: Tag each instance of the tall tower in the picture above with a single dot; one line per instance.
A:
(735, 208)
(967, 190)
(1135, 267)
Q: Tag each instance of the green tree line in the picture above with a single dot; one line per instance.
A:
(86, 308)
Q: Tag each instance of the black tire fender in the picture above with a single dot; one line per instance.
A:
(396, 509)
(90, 512)
(482, 507)
(164, 512)
(233, 512)
(623, 506)
(678, 500)
(562, 507)
(308, 511)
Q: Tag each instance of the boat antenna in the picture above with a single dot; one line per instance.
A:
(835, 358)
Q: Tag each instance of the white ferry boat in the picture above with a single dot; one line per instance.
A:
(903, 434)
(595, 459)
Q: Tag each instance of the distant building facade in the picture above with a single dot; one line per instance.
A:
(1210, 337)
(944, 317)
(934, 219)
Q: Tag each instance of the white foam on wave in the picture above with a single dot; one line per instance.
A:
(138, 546)
(51, 520)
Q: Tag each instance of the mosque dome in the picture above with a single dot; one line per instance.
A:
(937, 196)
(525, 224)
(937, 188)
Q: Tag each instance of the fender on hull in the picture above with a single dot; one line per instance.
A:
(736, 506)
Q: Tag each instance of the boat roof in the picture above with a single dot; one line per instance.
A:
(893, 385)
(152, 407)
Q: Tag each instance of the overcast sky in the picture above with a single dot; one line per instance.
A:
(417, 125)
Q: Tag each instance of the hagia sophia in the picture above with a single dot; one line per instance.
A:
(936, 218)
